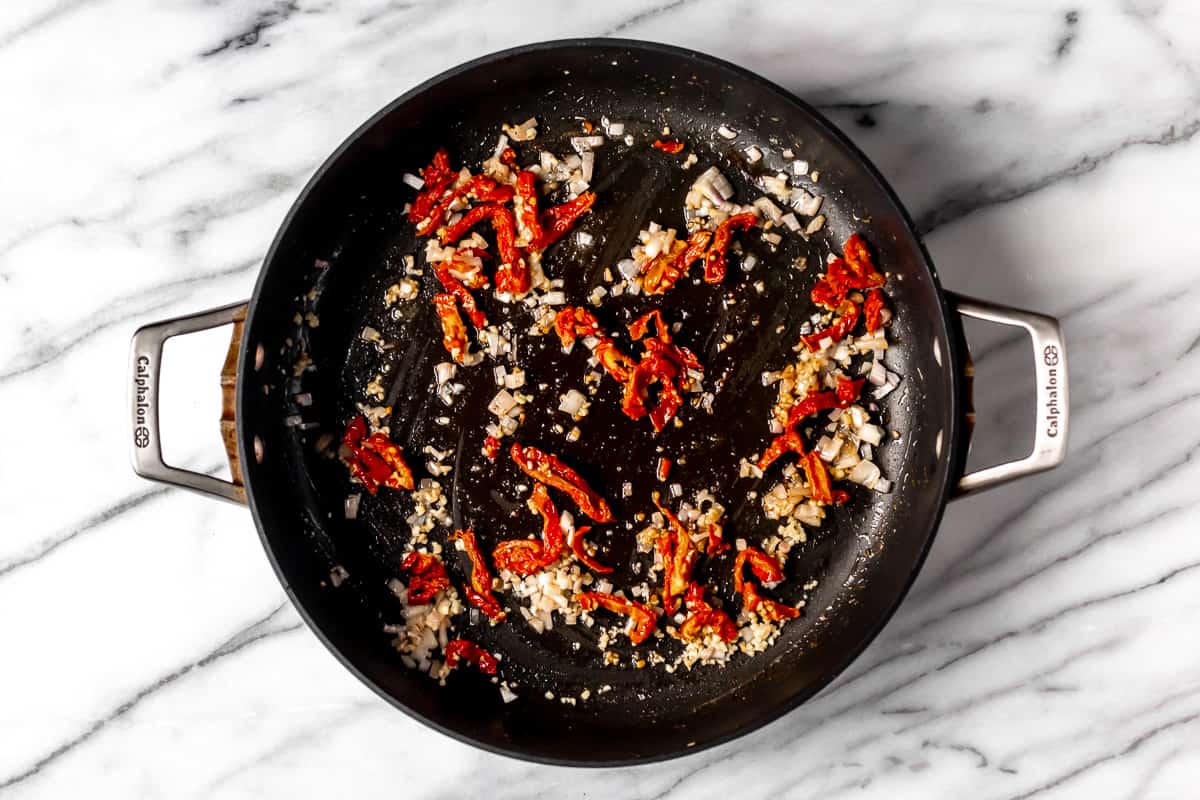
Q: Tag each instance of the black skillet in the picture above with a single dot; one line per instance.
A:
(343, 242)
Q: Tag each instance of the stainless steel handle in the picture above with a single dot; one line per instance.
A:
(145, 356)
(1053, 399)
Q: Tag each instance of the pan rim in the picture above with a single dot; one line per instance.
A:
(955, 451)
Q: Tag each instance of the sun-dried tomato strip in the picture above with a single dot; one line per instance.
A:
(474, 186)
(549, 469)
(715, 260)
(454, 331)
(455, 287)
(669, 146)
(427, 577)
(858, 259)
(615, 362)
(764, 567)
(479, 593)
(401, 476)
(641, 326)
(853, 271)
(873, 310)
(356, 431)
(663, 470)
(819, 485)
(375, 460)
(525, 557)
(788, 441)
(811, 404)
(452, 233)
(512, 275)
(716, 540)
(557, 220)
(641, 617)
(668, 405)
(848, 391)
(681, 357)
(470, 275)
(579, 548)
(838, 330)
(678, 556)
(438, 177)
(704, 616)
(378, 471)
(637, 388)
(571, 322)
(461, 651)
(665, 270)
(553, 540)
(828, 293)
(491, 447)
(518, 556)
(767, 570)
(528, 206)
(768, 609)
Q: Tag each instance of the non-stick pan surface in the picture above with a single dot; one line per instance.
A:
(344, 243)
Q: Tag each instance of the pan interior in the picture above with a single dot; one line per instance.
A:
(344, 245)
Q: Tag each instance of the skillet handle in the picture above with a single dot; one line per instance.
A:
(145, 357)
(1053, 403)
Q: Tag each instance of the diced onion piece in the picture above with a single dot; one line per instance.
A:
(871, 434)
(515, 379)
(800, 167)
(789, 219)
(815, 225)
(413, 181)
(555, 298)
(628, 268)
(806, 203)
(865, 473)
(583, 143)
(749, 262)
(526, 131)
(772, 238)
(444, 372)
(769, 210)
(726, 132)
(350, 507)
(572, 402)
(753, 154)
(828, 448)
(718, 181)
(502, 403)
(878, 375)
(587, 165)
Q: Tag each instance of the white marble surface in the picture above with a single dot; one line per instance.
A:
(150, 149)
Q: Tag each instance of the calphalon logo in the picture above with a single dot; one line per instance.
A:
(1050, 358)
(141, 394)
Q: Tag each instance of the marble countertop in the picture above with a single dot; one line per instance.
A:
(1049, 153)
